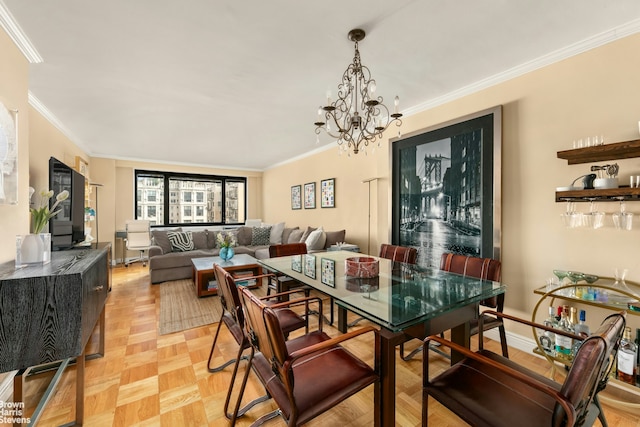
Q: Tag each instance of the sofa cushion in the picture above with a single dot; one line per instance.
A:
(334, 237)
(160, 239)
(181, 241)
(316, 239)
(295, 236)
(287, 232)
(275, 237)
(260, 236)
(199, 239)
(244, 235)
(179, 259)
(306, 234)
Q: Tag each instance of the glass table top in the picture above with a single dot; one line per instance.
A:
(401, 295)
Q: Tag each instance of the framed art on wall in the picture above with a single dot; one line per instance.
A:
(296, 197)
(327, 193)
(310, 195)
(446, 184)
(8, 156)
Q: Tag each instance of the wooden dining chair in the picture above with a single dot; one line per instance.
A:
(481, 268)
(233, 318)
(310, 379)
(487, 389)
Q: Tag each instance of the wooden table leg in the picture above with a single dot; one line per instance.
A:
(385, 400)
(460, 335)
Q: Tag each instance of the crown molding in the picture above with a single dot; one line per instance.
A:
(10, 25)
(582, 46)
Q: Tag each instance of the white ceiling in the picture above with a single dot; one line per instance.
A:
(238, 83)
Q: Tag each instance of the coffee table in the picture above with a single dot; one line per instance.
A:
(241, 265)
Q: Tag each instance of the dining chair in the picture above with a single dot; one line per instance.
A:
(481, 268)
(311, 379)
(486, 389)
(282, 282)
(233, 318)
(395, 253)
(138, 239)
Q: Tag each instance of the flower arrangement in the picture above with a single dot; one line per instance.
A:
(42, 214)
(225, 240)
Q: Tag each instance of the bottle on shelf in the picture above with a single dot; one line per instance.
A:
(627, 358)
(548, 338)
(564, 344)
(582, 329)
(638, 356)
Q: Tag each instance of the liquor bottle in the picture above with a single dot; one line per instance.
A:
(548, 338)
(627, 358)
(638, 356)
(581, 329)
(573, 317)
(564, 344)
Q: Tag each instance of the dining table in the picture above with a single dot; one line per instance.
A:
(406, 301)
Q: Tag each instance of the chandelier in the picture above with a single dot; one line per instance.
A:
(358, 117)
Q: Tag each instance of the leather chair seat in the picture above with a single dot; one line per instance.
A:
(314, 392)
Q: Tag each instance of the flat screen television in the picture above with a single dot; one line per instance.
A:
(67, 227)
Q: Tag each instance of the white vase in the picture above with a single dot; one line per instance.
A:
(33, 249)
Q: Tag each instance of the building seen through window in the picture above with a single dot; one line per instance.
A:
(174, 199)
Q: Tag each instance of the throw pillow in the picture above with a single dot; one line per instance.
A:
(199, 239)
(334, 237)
(276, 233)
(244, 235)
(295, 236)
(181, 241)
(286, 233)
(160, 239)
(316, 239)
(306, 234)
(260, 236)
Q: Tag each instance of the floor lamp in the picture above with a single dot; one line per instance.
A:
(368, 182)
(93, 184)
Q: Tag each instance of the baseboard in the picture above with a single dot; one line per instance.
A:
(516, 341)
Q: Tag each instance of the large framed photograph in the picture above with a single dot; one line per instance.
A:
(327, 193)
(310, 195)
(296, 197)
(446, 184)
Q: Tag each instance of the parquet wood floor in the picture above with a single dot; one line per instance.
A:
(145, 379)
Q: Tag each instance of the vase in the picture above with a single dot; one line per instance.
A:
(33, 249)
(226, 253)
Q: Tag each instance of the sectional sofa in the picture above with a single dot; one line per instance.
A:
(170, 257)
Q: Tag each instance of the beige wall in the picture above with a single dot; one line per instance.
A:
(597, 92)
(13, 94)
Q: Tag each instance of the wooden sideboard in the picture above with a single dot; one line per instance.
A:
(49, 312)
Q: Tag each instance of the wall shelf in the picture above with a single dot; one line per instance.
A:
(600, 153)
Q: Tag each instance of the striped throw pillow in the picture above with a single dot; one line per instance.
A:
(181, 241)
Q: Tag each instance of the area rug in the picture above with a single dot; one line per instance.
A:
(181, 309)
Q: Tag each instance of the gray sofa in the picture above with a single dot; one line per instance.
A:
(170, 261)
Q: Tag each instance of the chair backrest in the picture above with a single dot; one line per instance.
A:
(263, 329)
(482, 268)
(590, 368)
(398, 253)
(287, 249)
(229, 296)
(138, 233)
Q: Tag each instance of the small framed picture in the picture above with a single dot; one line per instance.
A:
(328, 193)
(82, 166)
(296, 263)
(310, 195)
(328, 272)
(296, 197)
(310, 266)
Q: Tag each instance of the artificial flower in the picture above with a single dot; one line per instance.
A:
(225, 240)
(42, 214)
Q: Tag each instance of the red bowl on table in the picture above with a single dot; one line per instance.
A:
(365, 267)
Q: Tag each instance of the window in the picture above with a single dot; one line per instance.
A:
(168, 198)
